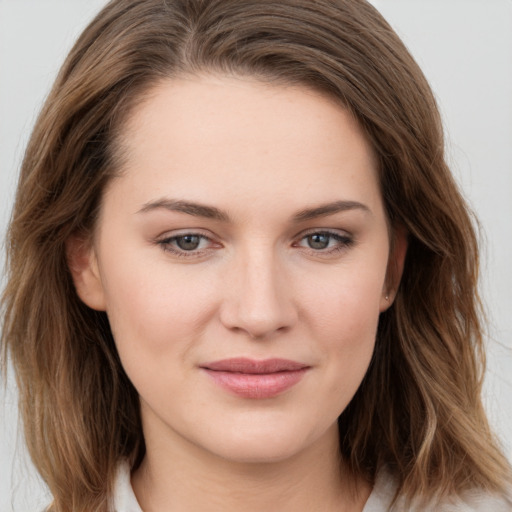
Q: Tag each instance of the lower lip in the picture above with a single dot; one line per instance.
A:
(256, 385)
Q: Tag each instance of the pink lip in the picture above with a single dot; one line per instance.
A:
(251, 378)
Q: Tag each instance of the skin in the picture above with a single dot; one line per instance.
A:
(257, 286)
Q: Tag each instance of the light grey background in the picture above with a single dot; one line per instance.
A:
(465, 49)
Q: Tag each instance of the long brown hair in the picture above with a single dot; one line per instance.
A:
(418, 411)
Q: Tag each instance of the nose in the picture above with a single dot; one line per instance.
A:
(258, 298)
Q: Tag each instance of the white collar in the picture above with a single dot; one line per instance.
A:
(125, 500)
(380, 499)
(124, 497)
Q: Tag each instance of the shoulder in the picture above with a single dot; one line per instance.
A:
(381, 500)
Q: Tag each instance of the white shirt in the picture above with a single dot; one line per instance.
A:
(379, 501)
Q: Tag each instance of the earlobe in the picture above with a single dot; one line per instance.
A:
(395, 267)
(83, 265)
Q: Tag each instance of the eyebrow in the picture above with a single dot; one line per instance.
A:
(195, 209)
(329, 209)
(211, 212)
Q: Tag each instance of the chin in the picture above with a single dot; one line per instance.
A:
(265, 444)
(260, 451)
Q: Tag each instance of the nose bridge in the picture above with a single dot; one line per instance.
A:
(260, 301)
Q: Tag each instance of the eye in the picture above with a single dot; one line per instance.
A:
(319, 240)
(325, 241)
(186, 244)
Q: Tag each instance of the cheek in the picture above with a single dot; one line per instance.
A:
(347, 300)
(348, 326)
(154, 311)
(349, 343)
(156, 319)
(343, 316)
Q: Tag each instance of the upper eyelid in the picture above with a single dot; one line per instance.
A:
(329, 231)
(169, 235)
(201, 233)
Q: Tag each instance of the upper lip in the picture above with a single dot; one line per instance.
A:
(254, 366)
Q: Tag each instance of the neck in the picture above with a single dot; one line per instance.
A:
(181, 476)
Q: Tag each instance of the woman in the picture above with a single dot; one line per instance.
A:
(240, 273)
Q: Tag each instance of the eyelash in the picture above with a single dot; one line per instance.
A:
(344, 242)
(167, 246)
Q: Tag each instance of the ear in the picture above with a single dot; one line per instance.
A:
(83, 265)
(395, 268)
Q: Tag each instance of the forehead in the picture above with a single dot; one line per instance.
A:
(216, 136)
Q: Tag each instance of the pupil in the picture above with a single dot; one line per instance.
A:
(318, 241)
(188, 242)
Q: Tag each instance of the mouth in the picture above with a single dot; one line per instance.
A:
(256, 379)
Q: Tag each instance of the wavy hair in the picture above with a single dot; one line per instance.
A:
(418, 410)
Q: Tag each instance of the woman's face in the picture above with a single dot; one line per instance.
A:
(241, 257)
